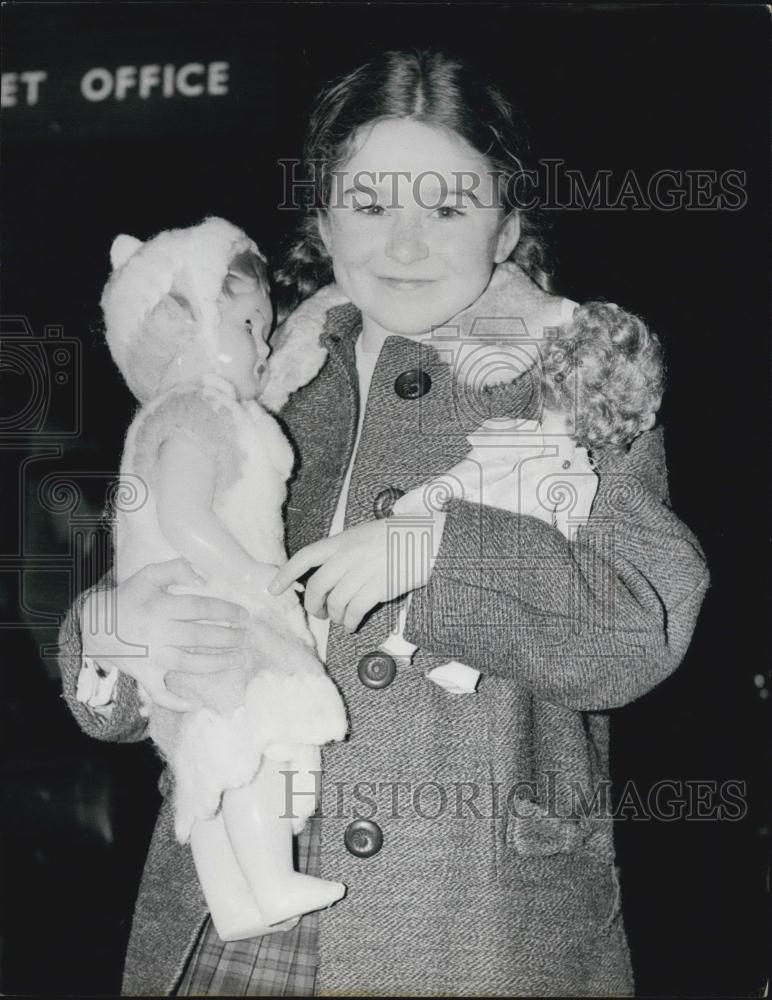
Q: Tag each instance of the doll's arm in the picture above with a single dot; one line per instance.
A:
(591, 624)
(498, 447)
(463, 481)
(186, 480)
(520, 471)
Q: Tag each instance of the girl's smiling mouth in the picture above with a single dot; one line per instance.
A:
(406, 284)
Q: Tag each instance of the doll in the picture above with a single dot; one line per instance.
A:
(598, 381)
(596, 377)
(212, 465)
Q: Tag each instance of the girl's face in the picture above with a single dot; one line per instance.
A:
(245, 319)
(415, 226)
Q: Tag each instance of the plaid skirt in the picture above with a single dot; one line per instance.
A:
(275, 965)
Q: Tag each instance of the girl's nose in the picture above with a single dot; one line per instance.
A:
(406, 243)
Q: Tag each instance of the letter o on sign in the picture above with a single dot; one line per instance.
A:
(97, 84)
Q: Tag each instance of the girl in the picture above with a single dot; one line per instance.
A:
(469, 831)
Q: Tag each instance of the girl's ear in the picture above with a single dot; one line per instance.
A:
(123, 247)
(509, 234)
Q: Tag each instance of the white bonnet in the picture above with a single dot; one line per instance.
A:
(193, 262)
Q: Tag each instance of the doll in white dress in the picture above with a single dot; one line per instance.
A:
(209, 465)
(598, 379)
(599, 382)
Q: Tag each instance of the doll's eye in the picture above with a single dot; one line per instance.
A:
(182, 304)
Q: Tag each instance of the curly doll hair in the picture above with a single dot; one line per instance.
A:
(607, 374)
(424, 86)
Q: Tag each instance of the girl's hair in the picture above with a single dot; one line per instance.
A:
(607, 374)
(424, 86)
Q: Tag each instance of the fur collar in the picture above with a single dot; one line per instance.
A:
(491, 342)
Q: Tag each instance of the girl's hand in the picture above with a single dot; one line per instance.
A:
(145, 631)
(364, 566)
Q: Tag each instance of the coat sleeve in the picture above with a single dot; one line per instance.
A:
(592, 623)
(125, 724)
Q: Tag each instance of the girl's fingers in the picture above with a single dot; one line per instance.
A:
(300, 563)
(215, 636)
(174, 571)
(341, 596)
(173, 702)
(208, 663)
(161, 695)
(321, 584)
(191, 608)
(363, 601)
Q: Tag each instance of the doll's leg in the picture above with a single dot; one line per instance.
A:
(235, 913)
(260, 830)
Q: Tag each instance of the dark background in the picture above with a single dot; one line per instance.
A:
(613, 88)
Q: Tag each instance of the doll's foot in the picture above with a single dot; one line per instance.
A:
(237, 917)
(299, 894)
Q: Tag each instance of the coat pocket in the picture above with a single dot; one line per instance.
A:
(532, 831)
(570, 857)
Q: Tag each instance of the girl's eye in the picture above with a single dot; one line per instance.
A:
(370, 209)
(449, 212)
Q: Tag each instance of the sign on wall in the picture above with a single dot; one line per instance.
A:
(101, 83)
(155, 74)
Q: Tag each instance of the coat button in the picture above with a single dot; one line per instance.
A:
(385, 500)
(376, 670)
(412, 384)
(363, 838)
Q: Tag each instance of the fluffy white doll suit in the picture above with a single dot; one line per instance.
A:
(282, 703)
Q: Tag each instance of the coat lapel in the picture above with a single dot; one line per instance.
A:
(404, 441)
(320, 420)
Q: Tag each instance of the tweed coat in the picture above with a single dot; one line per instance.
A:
(497, 873)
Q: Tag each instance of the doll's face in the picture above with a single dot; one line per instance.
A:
(245, 321)
(556, 428)
(415, 226)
